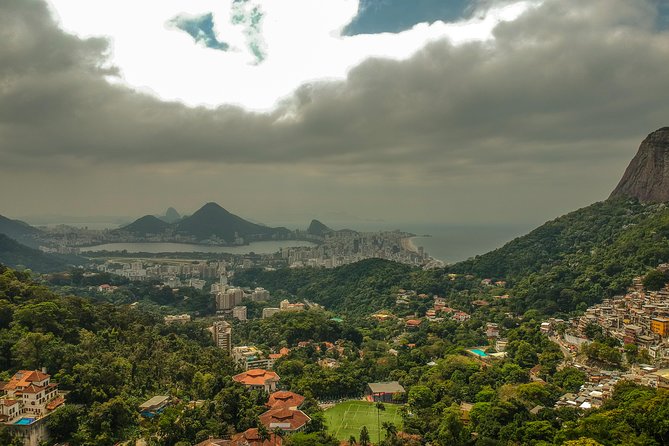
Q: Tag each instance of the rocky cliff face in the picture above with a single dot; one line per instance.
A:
(647, 176)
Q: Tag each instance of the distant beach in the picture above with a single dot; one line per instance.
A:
(408, 245)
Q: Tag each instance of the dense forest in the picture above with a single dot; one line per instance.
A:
(113, 357)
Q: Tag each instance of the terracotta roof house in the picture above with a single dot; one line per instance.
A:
(413, 323)
(258, 379)
(285, 399)
(214, 442)
(283, 352)
(251, 437)
(289, 420)
(26, 401)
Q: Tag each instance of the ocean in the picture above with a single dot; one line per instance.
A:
(453, 243)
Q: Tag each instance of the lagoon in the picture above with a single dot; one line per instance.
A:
(266, 247)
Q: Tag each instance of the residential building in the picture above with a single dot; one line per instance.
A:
(222, 332)
(285, 399)
(251, 437)
(269, 312)
(287, 306)
(154, 406)
(260, 295)
(180, 319)
(288, 420)
(239, 313)
(258, 379)
(250, 357)
(412, 324)
(660, 326)
(283, 352)
(26, 400)
(492, 330)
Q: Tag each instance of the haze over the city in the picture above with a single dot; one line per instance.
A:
(455, 112)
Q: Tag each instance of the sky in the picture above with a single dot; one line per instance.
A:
(462, 112)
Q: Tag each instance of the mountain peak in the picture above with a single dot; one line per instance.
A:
(148, 224)
(211, 206)
(171, 215)
(318, 228)
(647, 176)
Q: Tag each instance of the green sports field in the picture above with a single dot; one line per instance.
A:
(347, 418)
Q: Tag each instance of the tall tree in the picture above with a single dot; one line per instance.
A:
(380, 407)
(364, 437)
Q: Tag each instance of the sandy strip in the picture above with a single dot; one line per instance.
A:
(407, 245)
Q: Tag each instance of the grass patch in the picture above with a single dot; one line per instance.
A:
(347, 418)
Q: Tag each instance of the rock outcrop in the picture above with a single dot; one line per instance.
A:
(647, 176)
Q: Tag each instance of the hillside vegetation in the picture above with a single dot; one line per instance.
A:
(16, 255)
(564, 265)
(576, 260)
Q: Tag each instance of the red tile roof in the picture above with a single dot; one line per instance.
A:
(55, 403)
(251, 437)
(32, 389)
(284, 399)
(8, 402)
(24, 378)
(256, 377)
(214, 442)
(286, 419)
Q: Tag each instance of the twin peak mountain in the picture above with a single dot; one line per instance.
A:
(212, 221)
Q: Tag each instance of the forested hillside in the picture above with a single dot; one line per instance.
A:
(577, 259)
(112, 358)
(16, 255)
(566, 264)
(360, 287)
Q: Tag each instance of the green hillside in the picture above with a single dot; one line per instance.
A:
(579, 258)
(18, 230)
(16, 255)
(360, 287)
(566, 264)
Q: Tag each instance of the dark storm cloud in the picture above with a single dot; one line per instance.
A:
(557, 88)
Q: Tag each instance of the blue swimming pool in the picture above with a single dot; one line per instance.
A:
(25, 421)
(478, 352)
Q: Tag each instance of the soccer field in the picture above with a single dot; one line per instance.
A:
(347, 418)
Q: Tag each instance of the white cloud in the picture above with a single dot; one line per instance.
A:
(301, 37)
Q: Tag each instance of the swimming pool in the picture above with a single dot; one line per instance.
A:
(478, 352)
(25, 421)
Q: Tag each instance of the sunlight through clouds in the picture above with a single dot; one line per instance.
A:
(271, 48)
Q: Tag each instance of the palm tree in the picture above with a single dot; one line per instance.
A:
(278, 432)
(390, 428)
(379, 408)
(263, 433)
